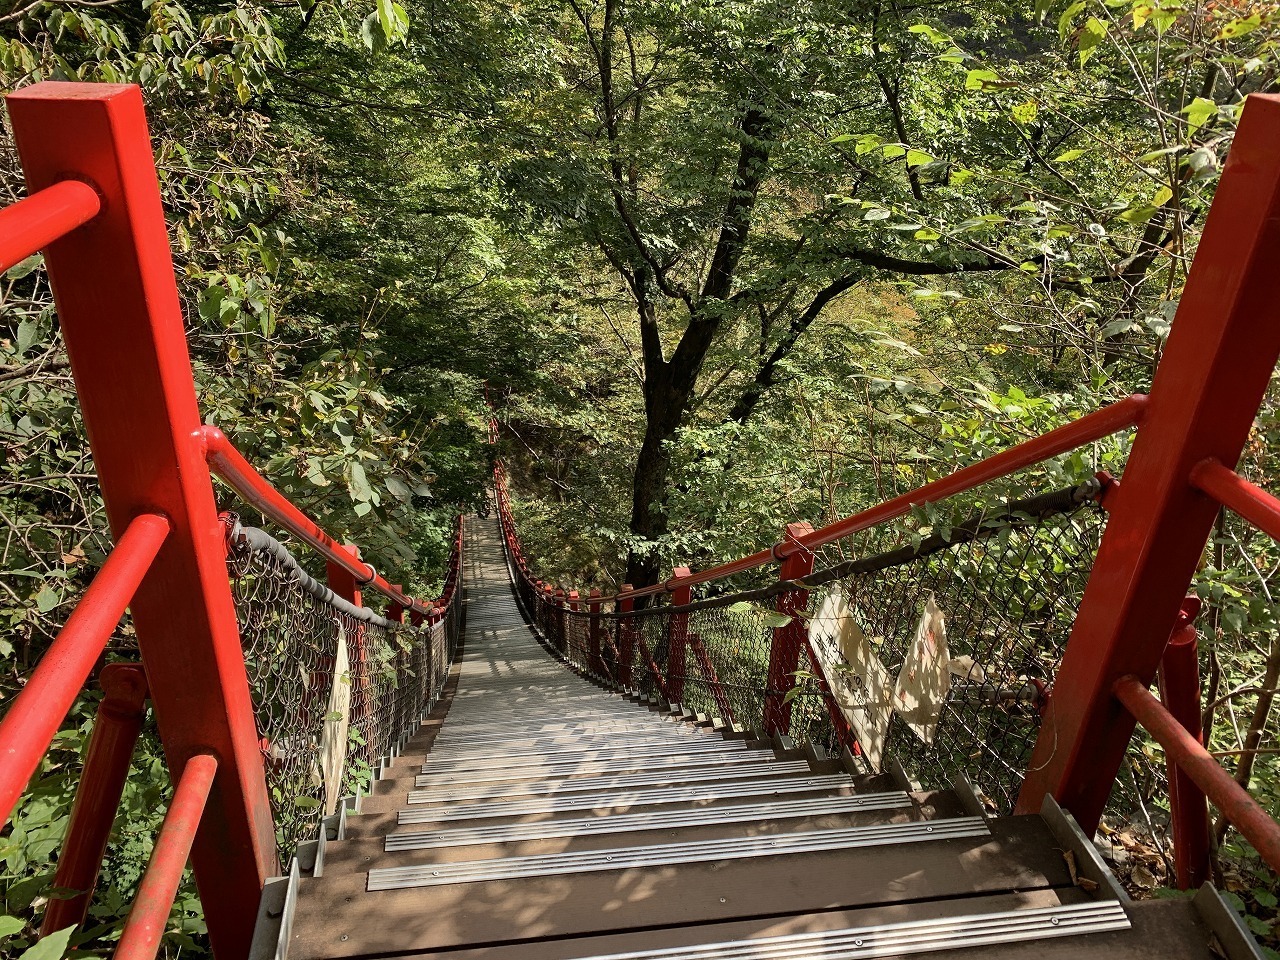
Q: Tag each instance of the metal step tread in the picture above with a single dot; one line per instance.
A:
(650, 820)
(759, 771)
(585, 767)
(610, 799)
(696, 851)
(549, 758)
(907, 937)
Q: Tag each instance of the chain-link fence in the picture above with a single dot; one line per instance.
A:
(335, 687)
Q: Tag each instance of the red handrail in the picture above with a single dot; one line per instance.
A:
(47, 215)
(229, 464)
(1070, 436)
(1238, 495)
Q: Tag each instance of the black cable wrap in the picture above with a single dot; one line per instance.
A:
(245, 540)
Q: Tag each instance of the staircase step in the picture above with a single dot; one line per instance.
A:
(1159, 930)
(613, 800)
(697, 851)
(579, 755)
(337, 918)
(648, 820)
(908, 937)
(604, 785)
(672, 764)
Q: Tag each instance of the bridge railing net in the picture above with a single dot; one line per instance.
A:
(1007, 579)
(335, 688)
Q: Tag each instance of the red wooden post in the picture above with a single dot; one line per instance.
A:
(1211, 379)
(106, 768)
(558, 620)
(784, 653)
(678, 635)
(626, 637)
(594, 636)
(1180, 693)
(572, 635)
(395, 611)
(118, 306)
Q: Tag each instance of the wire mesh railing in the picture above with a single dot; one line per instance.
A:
(1001, 585)
(335, 687)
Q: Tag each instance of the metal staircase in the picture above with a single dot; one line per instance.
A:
(546, 818)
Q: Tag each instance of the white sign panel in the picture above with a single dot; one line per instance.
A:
(925, 678)
(333, 742)
(859, 681)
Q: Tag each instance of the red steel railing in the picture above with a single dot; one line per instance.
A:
(1131, 621)
(94, 209)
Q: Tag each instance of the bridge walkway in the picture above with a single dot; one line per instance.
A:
(538, 816)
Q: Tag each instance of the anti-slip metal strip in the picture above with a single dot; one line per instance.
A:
(517, 732)
(695, 851)
(552, 758)
(609, 799)
(759, 771)
(911, 936)
(624, 764)
(465, 748)
(652, 820)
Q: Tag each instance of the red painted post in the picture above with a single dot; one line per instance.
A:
(784, 652)
(626, 638)
(678, 635)
(140, 938)
(1212, 377)
(558, 614)
(595, 630)
(1180, 693)
(106, 768)
(571, 628)
(118, 306)
(395, 610)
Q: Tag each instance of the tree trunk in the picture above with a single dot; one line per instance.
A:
(665, 403)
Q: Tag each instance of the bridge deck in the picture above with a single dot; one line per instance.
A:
(538, 816)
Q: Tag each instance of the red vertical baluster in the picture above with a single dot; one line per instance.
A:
(558, 614)
(1180, 693)
(678, 635)
(626, 638)
(784, 652)
(594, 634)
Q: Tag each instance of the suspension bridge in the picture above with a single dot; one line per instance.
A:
(836, 747)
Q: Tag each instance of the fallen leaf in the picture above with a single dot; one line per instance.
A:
(1143, 877)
